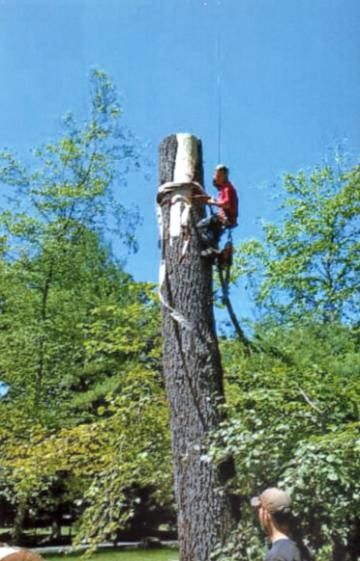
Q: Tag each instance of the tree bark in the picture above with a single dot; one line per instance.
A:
(18, 529)
(191, 359)
(45, 289)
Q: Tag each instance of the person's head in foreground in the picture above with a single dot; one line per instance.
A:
(13, 553)
(221, 175)
(273, 508)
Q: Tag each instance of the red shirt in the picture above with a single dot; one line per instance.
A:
(228, 195)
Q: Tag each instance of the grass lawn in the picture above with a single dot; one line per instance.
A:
(164, 554)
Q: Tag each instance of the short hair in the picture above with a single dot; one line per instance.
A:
(286, 518)
(283, 517)
(222, 167)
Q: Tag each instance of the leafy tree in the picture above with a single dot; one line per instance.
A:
(77, 335)
(50, 244)
(294, 406)
(296, 424)
(308, 264)
(98, 463)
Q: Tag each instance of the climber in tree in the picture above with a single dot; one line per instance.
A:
(212, 227)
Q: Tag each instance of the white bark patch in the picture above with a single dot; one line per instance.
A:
(175, 217)
(185, 215)
(162, 274)
(186, 158)
(180, 210)
(160, 221)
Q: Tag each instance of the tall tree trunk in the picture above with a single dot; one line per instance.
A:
(18, 529)
(191, 358)
(42, 339)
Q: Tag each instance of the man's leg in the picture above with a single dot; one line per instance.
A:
(210, 230)
(205, 230)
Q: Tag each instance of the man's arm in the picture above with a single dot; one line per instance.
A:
(225, 200)
(211, 201)
(224, 204)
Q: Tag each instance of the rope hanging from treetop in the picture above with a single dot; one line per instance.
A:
(219, 99)
(219, 83)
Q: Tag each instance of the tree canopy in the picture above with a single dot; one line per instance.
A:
(294, 405)
(308, 263)
(78, 337)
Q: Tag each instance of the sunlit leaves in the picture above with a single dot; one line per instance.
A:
(74, 178)
(79, 340)
(294, 422)
(309, 261)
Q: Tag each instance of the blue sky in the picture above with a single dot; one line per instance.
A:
(289, 71)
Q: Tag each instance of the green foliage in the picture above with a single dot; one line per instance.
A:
(73, 183)
(85, 420)
(126, 445)
(296, 425)
(308, 264)
(136, 455)
(55, 266)
(101, 395)
(138, 554)
(293, 408)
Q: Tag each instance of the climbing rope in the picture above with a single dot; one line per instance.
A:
(219, 100)
(219, 86)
